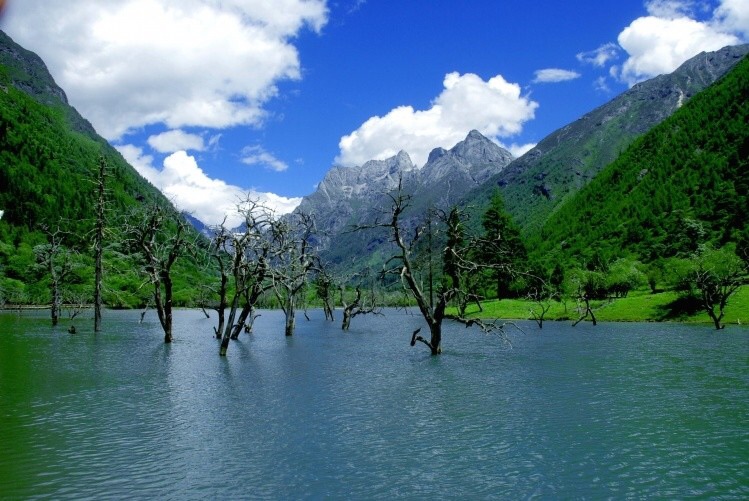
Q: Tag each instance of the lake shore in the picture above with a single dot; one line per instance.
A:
(638, 306)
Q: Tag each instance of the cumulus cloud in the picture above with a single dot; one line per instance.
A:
(176, 140)
(733, 16)
(600, 56)
(554, 75)
(495, 107)
(659, 45)
(183, 181)
(671, 34)
(256, 155)
(129, 63)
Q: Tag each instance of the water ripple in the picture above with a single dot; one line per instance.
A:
(616, 411)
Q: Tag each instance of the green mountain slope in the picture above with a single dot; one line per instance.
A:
(49, 157)
(48, 152)
(682, 184)
(541, 181)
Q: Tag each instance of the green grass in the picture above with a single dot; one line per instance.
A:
(638, 306)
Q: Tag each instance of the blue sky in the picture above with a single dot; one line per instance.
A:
(211, 100)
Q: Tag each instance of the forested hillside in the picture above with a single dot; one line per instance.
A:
(49, 161)
(681, 186)
(548, 176)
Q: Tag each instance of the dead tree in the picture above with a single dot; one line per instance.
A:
(587, 312)
(542, 295)
(219, 252)
(325, 286)
(159, 236)
(456, 264)
(57, 260)
(245, 256)
(358, 306)
(293, 259)
(99, 241)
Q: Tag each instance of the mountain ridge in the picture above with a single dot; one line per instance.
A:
(536, 184)
(351, 196)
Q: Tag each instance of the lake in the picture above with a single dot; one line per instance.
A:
(611, 411)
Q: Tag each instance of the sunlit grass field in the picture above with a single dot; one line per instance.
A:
(638, 306)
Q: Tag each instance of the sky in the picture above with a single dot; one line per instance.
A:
(214, 101)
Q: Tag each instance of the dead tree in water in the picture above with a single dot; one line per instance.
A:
(293, 260)
(358, 306)
(158, 236)
(99, 241)
(243, 256)
(57, 260)
(324, 286)
(542, 294)
(456, 266)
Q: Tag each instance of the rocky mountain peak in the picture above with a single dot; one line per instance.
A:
(476, 148)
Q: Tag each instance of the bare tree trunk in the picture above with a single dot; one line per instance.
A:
(56, 303)
(290, 311)
(229, 323)
(436, 342)
(98, 245)
(168, 308)
(224, 346)
(346, 319)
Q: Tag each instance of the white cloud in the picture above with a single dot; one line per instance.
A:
(671, 34)
(600, 56)
(494, 107)
(191, 190)
(176, 140)
(733, 15)
(554, 75)
(129, 63)
(256, 155)
(658, 45)
(518, 150)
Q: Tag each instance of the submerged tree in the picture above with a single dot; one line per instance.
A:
(57, 260)
(244, 256)
(159, 236)
(588, 285)
(99, 241)
(219, 253)
(325, 289)
(361, 304)
(293, 259)
(456, 263)
(542, 294)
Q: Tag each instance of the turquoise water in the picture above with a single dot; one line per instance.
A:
(612, 411)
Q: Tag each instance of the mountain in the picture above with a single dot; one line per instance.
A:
(49, 158)
(29, 74)
(533, 186)
(49, 152)
(350, 196)
(539, 182)
(681, 185)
